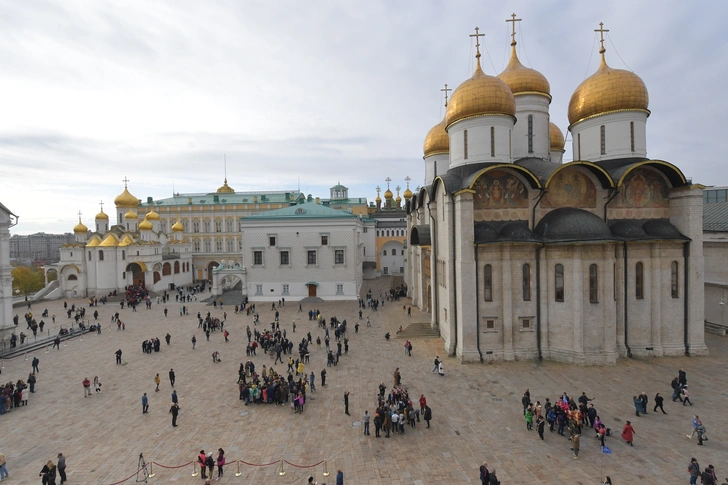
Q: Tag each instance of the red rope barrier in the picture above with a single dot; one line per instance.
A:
(253, 464)
(127, 478)
(171, 467)
(304, 466)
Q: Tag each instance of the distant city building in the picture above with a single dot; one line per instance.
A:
(7, 220)
(715, 250)
(38, 246)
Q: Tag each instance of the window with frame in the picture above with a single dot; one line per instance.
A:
(384, 252)
(530, 133)
(674, 287)
(593, 284)
(218, 226)
(559, 282)
(197, 246)
(385, 270)
(364, 230)
(603, 139)
(271, 240)
(527, 282)
(230, 246)
(195, 227)
(394, 252)
(339, 256)
(525, 324)
(490, 324)
(208, 246)
(257, 258)
(339, 289)
(101, 255)
(311, 257)
(218, 246)
(284, 258)
(229, 224)
(488, 282)
(207, 226)
(258, 289)
(285, 289)
(324, 240)
(465, 144)
(639, 281)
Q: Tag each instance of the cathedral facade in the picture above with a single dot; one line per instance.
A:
(517, 255)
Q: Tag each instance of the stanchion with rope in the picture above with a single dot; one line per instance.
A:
(26, 356)
(194, 468)
(151, 469)
(282, 471)
(326, 470)
(238, 473)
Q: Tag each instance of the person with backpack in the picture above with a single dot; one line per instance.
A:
(484, 474)
(694, 471)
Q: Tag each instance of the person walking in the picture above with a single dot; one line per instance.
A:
(339, 477)
(118, 356)
(86, 387)
(61, 465)
(194, 342)
(540, 425)
(171, 377)
(637, 405)
(437, 364)
(696, 420)
(694, 470)
(365, 420)
(628, 433)
(658, 403)
(35, 364)
(575, 444)
(529, 419)
(346, 403)
(484, 474)
(3, 467)
(145, 404)
(97, 384)
(323, 378)
(686, 396)
(701, 433)
(157, 380)
(175, 411)
(311, 381)
(48, 473)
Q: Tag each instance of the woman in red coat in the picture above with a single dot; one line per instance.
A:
(628, 433)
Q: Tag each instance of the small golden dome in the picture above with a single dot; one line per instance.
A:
(407, 194)
(80, 228)
(522, 79)
(125, 199)
(378, 199)
(480, 95)
(437, 140)
(152, 216)
(178, 227)
(131, 215)
(556, 138)
(388, 194)
(225, 189)
(608, 90)
(145, 225)
(398, 200)
(102, 216)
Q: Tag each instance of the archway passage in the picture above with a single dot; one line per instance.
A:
(210, 266)
(157, 277)
(137, 274)
(312, 289)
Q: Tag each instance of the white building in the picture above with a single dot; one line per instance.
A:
(7, 220)
(301, 251)
(715, 249)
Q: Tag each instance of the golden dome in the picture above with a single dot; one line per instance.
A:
(378, 199)
(152, 216)
(102, 216)
(80, 228)
(398, 200)
(145, 225)
(388, 194)
(522, 79)
(480, 95)
(556, 138)
(437, 140)
(125, 199)
(608, 90)
(407, 194)
(93, 242)
(109, 242)
(178, 227)
(225, 189)
(131, 215)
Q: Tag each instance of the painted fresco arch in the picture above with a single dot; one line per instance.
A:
(673, 174)
(602, 175)
(526, 174)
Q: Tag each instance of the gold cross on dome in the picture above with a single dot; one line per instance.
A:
(388, 180)
(126, 180)
(477, 41)
(407, 179)
(79, 216)
(102, 205)
(446, 90)
(513, 21)
(601, 31)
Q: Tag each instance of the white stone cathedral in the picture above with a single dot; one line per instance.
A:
(517, 255)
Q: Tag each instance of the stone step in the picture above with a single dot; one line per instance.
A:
(716, 329)
(418, 330)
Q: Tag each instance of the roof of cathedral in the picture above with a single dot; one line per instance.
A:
(437, 140)
(80, 228)
(261, 197)
(481, 95)
(569, 224)
(125, 199)
(102, 216)
(556, 137)
(523, 80)
(308, 210)
(715, 217)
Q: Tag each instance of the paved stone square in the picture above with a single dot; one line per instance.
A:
(477, 413)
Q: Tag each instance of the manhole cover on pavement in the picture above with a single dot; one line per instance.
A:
(244, 413)
(356, 424)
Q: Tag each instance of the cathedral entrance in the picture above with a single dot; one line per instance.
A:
(311, 289)
(137, 274)
(210, 266)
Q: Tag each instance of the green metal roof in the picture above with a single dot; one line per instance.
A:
(355, 200)
(274, 197)
(309, 210)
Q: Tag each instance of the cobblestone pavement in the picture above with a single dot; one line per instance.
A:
(477, 413)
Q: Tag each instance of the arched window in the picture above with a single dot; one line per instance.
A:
(526, 282)
(89, 256)
(72, 277)
(384, 253)
(631, 134)
(674, 288)
(176, 267)
(166, 269)
(465, 144)
(593, 284)
(639, 281)
(492, 141)
(101, 255)
(559, 282)
(123, 255)
(603, 139)
(394, 252)
(530, 133)
(488, 283)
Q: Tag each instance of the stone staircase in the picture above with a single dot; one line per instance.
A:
(716, 328)
(418, 330)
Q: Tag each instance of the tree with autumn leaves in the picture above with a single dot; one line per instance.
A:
(27, 279)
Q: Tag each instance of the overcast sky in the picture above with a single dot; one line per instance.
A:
(95, 91)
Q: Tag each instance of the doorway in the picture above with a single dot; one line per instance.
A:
(311, 289)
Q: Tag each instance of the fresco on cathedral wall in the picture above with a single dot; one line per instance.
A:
(643, 188)
(570, 188)
(499, 189)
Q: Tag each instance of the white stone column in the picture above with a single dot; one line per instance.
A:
(576, 294)
(465, 278)
(656, 299)
(506, 291)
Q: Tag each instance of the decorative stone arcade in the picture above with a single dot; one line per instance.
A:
(223, 277)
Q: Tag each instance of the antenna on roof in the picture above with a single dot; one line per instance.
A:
(172, 188)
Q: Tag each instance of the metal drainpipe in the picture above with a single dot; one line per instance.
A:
(538, 300)
(610, 196)
(433, 242)
(477, 303)
(686, 254)
(454, 277)
(626, 295)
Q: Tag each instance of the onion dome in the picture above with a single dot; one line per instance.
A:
(131, 215)
(152, 216)
(388, 195)
(378, 199)
(80, 228)
(523, 80)
(437, 140)
(606, 91)
(145, 225)
(125, 199)
(178, 227)
(481, 95)
(407, 194)
(225, 189)
(102, 216)
(398, 200)
(556, 138)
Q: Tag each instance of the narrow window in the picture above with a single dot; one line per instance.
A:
(559, 282)
(394, 252)
(593, 284)
(339, 256)
(490, 324)
(578, 146)
(526, 282)
(530, 133)
(271, 241)
(510, 144)
(384, 253)
(465, 144)
(639, 281)
(673, 280)
(631, 134)
(284, 258)
(339, 289)
(257, 257)
(603, 138)
(492, 141)
(488, 282)
(101, 255)
(324, 240)
(312, 257)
